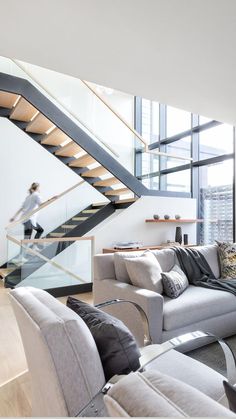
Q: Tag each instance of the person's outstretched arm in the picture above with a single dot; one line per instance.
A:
(16, 215)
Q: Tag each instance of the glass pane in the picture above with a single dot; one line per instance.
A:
(176, 182)
(177, 121)
(216, 202)
(151, 182)
(216, 141)
(150, 120)
(85, 109)
(48, 264)
(181, 148)
(59, 217)
(150, 163)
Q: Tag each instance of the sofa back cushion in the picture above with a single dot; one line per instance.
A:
(166, 258)
(210, 253)
(61, 353)
(120, 267)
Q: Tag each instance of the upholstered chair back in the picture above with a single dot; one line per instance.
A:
(62, 357)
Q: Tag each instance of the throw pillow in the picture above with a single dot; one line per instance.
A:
(145, 272)
(116, 345)
(227, 256)
(174, 282)
(119, 264)
(159, 395)
(230, 392)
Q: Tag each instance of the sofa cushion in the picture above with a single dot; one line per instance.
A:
(190, 371)
(166, 258)
(227, 256)
(158, 395)
(119, 263)
(194, 305)
(210, 253)
(116, 345)
(174, 282)
(145, 272)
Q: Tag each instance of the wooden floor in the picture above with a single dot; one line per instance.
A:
(15, 397)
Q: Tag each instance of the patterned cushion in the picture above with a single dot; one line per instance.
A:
(227, 256)
(174, 282)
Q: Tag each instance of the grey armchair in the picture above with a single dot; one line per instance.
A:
(64, 363)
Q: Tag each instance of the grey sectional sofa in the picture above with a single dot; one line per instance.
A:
(196, 309)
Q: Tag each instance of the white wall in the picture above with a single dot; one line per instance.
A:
(130, 223)
(23, 161)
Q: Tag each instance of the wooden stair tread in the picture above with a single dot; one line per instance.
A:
(5, 271)
(98, 171)
(56, 138)
(23, 111)
(68, 226)
(39, 125)
(56, 234)
(126, 201)
(107, 182)
(118, 191)
(83, 161)
(90, 211)
(79, 218)
(69, 150)
(100, 204)
(7, 100)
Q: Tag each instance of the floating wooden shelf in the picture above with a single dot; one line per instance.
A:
(181, 220)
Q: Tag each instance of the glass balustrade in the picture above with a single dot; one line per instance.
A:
(94, 109)
(50, 263)
(59, 217)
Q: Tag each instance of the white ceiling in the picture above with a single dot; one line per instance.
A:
(180, 52)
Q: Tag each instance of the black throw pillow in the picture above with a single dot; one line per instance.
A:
(116, 345)
(230, 392)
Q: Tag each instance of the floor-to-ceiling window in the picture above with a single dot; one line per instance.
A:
(200, 163)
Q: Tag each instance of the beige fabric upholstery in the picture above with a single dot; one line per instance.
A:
(59, 350)
(210, 253)
(190, 371)
(145, 272)
(150, 301)
(199, 309)
(166, 258)
(198, 303)
(120, 267)
(158, 395)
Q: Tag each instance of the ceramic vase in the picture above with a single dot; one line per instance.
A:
(178, 235)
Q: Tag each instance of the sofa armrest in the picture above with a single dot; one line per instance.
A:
(150, 301)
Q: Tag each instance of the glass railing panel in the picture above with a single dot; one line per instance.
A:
(94, 109)
(59, 216)
(85, 108)
(49, 264)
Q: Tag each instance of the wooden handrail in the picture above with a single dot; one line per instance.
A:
(44, 205)
(146, 149)
(44, 258)
(116, 114)
(173, 156)
(41, 86)
(57, 239)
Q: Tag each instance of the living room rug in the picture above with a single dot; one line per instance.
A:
(213, 356)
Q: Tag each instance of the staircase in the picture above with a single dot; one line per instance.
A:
(46, 124)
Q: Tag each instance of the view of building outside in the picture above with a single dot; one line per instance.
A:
(215, 180)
